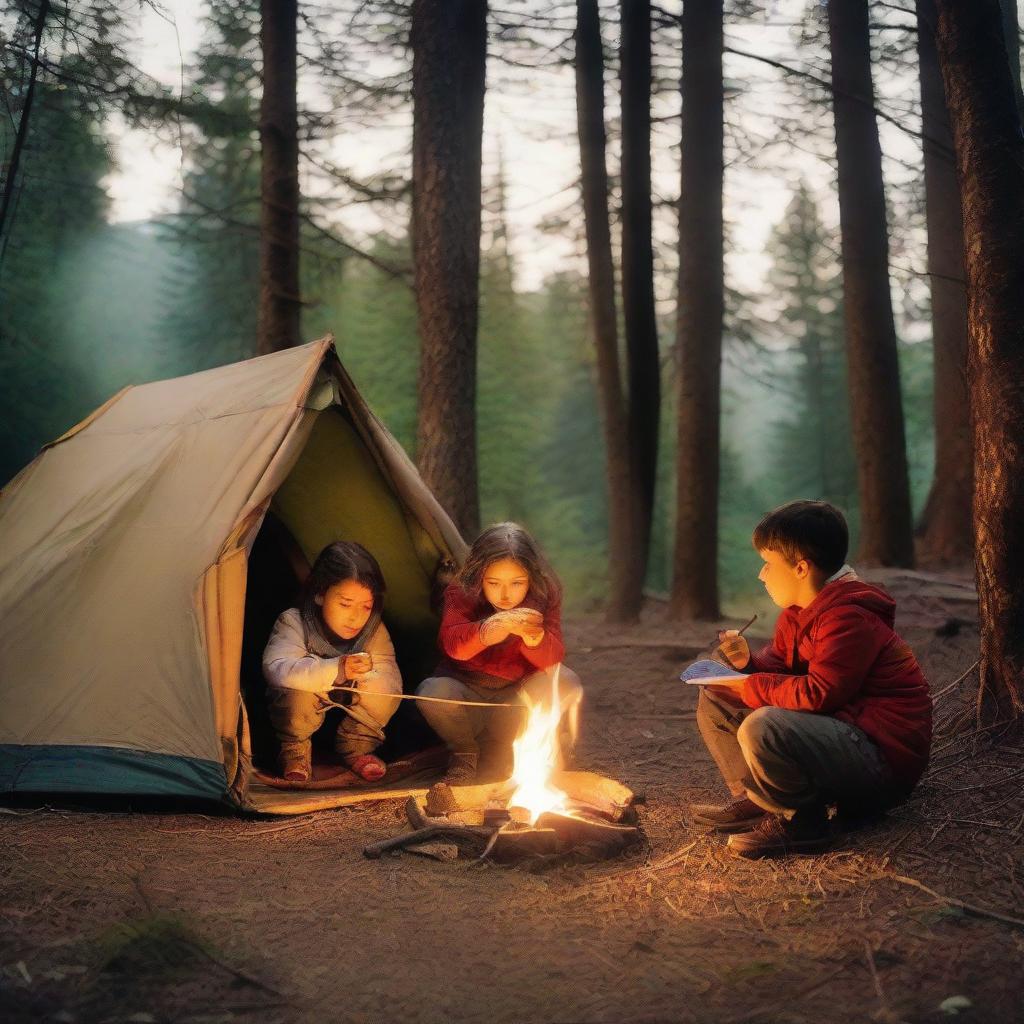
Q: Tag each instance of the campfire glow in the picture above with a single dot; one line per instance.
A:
(536, 756)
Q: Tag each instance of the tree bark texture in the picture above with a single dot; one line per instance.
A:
(990, 168)
(280, 302)
(945, 531)
(701, 309)
(625, 563)
(876, 409)
(449, 44)
(644, 368)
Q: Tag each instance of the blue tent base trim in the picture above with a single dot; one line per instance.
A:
(79, 769)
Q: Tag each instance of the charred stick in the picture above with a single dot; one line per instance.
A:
(457, 833)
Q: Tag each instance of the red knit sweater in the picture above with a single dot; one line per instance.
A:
(511, 660)
(840, 656)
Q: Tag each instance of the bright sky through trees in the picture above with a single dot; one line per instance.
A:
(530, 119)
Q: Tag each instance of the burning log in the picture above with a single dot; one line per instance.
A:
(577, 831)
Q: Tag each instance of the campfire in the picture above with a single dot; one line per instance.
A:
(541, 810)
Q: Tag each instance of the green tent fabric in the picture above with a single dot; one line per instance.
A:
(337, 490)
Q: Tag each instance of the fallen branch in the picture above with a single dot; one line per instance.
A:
(956, 682)
(884, 1008)
(967, 908)
(475, 834)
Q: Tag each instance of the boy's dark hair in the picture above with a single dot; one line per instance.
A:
(340, 561)
(509, 540)
(814, 530)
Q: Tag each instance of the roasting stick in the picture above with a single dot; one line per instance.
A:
(415, 696)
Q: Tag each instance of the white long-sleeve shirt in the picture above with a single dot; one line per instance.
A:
(287, 663)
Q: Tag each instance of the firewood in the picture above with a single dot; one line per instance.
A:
(443, 852)
(473, 835)
(578, 831)
(512, 844)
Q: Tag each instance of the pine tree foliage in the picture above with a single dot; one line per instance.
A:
(212, 302)
(814, 457)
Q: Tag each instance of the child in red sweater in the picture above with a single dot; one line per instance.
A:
(501, 639)
(834, 710)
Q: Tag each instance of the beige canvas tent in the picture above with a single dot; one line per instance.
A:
(125, 552)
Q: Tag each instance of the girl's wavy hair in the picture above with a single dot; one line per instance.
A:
(509, 540)
(340, 561)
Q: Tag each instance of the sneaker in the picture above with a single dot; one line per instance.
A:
(739, 816)
(295, 761)
(806, 832)
(461, 770)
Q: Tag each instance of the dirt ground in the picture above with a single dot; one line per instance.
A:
(132, 916)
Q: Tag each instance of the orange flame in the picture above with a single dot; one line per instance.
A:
(536, 756)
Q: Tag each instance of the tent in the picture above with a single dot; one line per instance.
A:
(126, 546)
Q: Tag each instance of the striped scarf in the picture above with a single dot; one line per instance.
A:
(324, 642)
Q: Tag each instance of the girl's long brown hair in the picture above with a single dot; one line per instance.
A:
(509, 540)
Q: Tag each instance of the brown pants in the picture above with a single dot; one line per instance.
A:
(297, 714)
(784, 760)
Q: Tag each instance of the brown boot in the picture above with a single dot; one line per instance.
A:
(806, 832)
(295, 761)
(738, 816)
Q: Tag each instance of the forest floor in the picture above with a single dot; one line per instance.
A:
(154, 916)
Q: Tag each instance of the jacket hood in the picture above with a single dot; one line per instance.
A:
(849, 590)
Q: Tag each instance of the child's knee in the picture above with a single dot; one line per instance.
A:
(570, 687)
(379, 706)
(758, 730)
(441, 687)
(537, 687)
(295, 712)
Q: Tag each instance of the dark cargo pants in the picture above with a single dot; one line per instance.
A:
(785, 760)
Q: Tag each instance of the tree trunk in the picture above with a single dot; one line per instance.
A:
(875, 403)
(701, 308)
(644, 368)
(23, 121)
(625, 564)
(449, 45)
(990, 167)
(945, 530)
(280, 304)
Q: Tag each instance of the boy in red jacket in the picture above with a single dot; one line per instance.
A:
(834, 710)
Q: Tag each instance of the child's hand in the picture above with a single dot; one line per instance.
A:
(532, 635)
(523, 620)
(357, 665)
(734, 648)
(495, 630)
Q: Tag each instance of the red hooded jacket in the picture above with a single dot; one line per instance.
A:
(840, 656)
